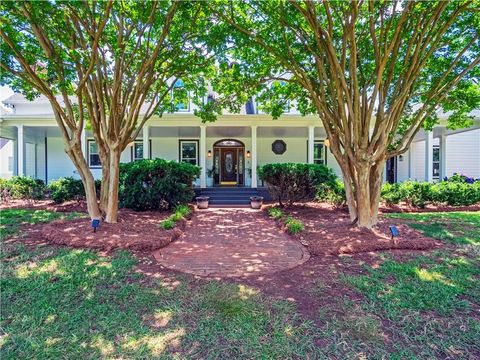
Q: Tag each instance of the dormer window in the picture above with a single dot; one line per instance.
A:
(180, 97)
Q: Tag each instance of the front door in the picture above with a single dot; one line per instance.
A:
(229, 166)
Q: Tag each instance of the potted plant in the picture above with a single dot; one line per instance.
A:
(256, 202)
(210, 175)
(202, 202)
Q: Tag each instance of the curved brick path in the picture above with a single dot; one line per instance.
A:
(232, 242)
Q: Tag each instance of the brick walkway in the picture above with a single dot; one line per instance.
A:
(232, 242)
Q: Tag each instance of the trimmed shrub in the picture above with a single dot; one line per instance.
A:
(22, 187)
(293, 182)
(457, 191)
(66, 189)
(332, 193)
(156, 184)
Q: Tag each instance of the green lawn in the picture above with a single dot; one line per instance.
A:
(12, 219)
(70, 303)
(454, 227)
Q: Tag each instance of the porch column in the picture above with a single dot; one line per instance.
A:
(146, 141)
(311, 142)
(203, 163)
(429, 156)
(20, 151)
(443, 156)
(254, 156)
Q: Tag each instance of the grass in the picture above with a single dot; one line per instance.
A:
(461, 228)
(12, 219)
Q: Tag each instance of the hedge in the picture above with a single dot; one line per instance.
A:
(156, 184)
(22, 187)
(68, 188)
(293, 182)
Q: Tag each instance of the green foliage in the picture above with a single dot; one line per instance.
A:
(156, 184)
(168, 224)
(332, 192)
(275, 212)
(22, 187)
(456, 192)
(293, 182)
(293, 226)
(68, 188)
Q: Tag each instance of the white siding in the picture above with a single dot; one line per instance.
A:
(402, 167)
(463, 153)
(418, 161)
(58, 163)
(30, 160)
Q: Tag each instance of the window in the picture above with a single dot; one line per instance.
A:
(436, 161)
(93, 156)
(137, 150)
(180, 97)
(189, 151)
(319, 156)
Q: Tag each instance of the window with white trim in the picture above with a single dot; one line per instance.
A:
(93, 155)
(319, 155)
(189, 151)
(180, 97)
(137, 151)
(436, 161)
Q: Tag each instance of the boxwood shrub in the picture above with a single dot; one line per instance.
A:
(22, 187)
(156, 184)
(68, 188)
(293, 182)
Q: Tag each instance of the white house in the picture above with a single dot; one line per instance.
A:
(228, 150)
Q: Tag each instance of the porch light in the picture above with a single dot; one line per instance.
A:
(326, 142)
(248, 154)
(130, 144)
(209, 153)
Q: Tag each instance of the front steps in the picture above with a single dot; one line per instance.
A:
(228, 196)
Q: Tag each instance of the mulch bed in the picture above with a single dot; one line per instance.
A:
(134, 231)
(328, 231)
(50, 205)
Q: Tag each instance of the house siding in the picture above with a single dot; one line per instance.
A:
(463, 154)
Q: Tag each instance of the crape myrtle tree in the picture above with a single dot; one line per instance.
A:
(105, 65)
(375, 72)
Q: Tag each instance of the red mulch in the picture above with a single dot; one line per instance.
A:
(50, 205)
(328, 231)
(134, 230)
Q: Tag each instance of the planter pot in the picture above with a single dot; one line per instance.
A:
(209, 181)
(256, 202)
(202, 202)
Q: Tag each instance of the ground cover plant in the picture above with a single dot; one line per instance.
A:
(180, 212)
(292, 225)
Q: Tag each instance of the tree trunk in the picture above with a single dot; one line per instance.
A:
(367, 187)
(76, 155)
(111, 209)
(105, 185)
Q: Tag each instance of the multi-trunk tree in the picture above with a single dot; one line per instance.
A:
(375, 72)
(105, 65)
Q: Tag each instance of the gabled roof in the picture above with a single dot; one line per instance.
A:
(18, 98)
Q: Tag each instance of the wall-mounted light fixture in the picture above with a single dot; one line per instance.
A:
(326, 142)
(209, 153)
(248, 154)
(400, 157)
(130, 144)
